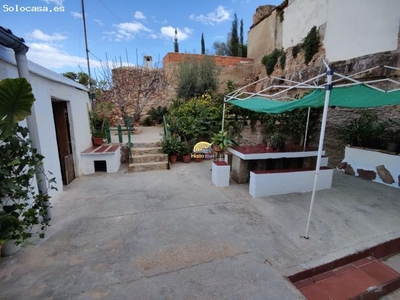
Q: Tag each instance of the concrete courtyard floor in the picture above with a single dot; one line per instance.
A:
(173, 235)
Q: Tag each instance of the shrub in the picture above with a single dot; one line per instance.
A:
(310, 44)
(196, 77)
(270, 61)
(296, 49)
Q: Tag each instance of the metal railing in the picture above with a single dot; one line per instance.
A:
(120, 130)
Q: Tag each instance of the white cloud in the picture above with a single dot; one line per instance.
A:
(41, 36)
(76, 15)
(139, 15)
(182, 34)
(53, 58)
(98, 22)
(219, 15)
(127, 31)
(56, 2)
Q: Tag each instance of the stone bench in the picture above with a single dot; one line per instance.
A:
(265, 183)
(108, 153)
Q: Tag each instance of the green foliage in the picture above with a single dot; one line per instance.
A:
(22, 208)
(220, 48)
(234, 38)
(203, 46)
(99, 117)
(172, 145)
(196, 77)
(196, 119)
(358, 130)
(80, 77)
(148, 121)
(222, 140)
(281, 16)
(392, 131)
(270, 61)
(292, 123)
(282, 60)
(296, 49)
(156, 114)
(16, 102)
(310, 44)
(277, 141)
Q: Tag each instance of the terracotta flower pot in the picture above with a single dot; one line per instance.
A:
(173, 158)
(97, 141)
(186, 158)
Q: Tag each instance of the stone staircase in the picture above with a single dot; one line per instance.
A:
(148, 156)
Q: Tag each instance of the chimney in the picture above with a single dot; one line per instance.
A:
(148, 62)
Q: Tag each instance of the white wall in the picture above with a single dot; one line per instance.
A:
(300, 17)
(361, 27)
(353, 28)
(47, 85)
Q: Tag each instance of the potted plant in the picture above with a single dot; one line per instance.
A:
(185, 151)
(99, 117)
(221, 141)
(23, 209)
(277, 141)
(172, 147)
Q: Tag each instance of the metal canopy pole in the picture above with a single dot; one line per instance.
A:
(223, 116)
(328, 88)
(306, 133)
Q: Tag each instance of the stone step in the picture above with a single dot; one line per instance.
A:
(150, 158)
(142, 167)
(146, 145)
(151, 150)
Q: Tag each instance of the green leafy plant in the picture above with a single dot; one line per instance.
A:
(358, 130)
(311, 44)
(296, 50)
(157, 114)
(281, 16)
(222, 140)
(282, 60)
(171, 146)
(99, 117)
(197, 77)
(270, 61)
(277, 141)
(23, 209)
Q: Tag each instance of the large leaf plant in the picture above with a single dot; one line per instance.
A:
(23, 209)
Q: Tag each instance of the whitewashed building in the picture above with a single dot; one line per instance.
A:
(59, 125)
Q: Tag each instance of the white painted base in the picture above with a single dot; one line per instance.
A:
(269, 184)
(220, 174)
(113, 161)
(369, 160)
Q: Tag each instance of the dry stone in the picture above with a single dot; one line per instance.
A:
(341, 166)
(367, 174)
(384, 174)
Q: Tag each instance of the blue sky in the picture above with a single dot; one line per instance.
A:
(120, 30)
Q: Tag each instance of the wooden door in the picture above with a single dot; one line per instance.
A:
(60, 113)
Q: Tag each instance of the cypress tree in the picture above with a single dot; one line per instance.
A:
(234, 40)
(176, 46)
(203, 46)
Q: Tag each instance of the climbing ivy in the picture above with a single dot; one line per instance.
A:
(296, 49)
(270, 60)
(311, 44)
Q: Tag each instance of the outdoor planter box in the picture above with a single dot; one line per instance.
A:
(276, 182)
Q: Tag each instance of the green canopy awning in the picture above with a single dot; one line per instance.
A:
(357, 96)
